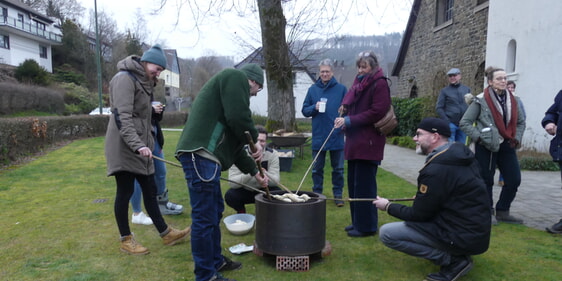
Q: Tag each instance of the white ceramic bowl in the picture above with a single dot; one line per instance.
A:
(239, 224)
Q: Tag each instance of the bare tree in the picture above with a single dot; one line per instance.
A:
(313, 18)
(281, 103)
(60, 9)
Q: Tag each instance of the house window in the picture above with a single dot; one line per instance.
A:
(444, 11)
(4, 41)
(5, 14)
(43, 52)
(20, 18)
(511, 55)
(40, 25)
(294, 78)
(480, 2)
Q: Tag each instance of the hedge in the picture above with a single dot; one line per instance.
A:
(21, 137)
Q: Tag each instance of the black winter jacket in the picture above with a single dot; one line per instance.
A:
(552, 115)
(451, 205)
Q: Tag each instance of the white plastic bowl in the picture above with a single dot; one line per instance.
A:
(239, 224)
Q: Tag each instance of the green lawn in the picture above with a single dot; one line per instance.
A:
(58, 224)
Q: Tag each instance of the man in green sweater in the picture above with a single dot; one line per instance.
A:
(212, 141)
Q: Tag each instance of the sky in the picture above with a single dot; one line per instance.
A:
(236, 32)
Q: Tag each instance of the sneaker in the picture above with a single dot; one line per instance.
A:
(141, 218)
(555, 228)
(130, 246)
(170, 208)
(504, 216)
(229, 264)
(219, 277)
(175, 236)
(459, 266)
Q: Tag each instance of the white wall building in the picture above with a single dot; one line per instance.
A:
(302, 80)
(525, 38)
(301, 83)
(26, 34)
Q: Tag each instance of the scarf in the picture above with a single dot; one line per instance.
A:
(506, 131)
(359, 86)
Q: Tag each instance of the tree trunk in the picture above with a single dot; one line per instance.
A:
(281, 102)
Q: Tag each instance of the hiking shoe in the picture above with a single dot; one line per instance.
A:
(130, 246)
(219, 277)
(504, 216)
(170, 208)
(175, 236)
(339, 201)
(459, 266)
(141, 218)
(356, 233)
(229, 264)
(555, 228)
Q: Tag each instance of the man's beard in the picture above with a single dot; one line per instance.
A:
(419, 150)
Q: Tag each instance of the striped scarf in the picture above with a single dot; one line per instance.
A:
(506, 131)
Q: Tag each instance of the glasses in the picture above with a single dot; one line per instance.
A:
(260, 87)
(365, 54)
(452, 75)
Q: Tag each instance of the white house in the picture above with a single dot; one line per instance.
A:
(525, 38)
(26, 34)
(302, 80)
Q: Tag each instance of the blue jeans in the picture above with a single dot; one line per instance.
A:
(159, 178)
(362, 183)
(400, 237)
(457, 135)
(207, 205)
(336, 160)
(506, 161)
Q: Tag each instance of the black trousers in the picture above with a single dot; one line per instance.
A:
(125, 187)
(236, 198)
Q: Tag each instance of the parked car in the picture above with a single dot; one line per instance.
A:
(105, 111)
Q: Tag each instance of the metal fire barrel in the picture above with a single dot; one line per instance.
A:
(290, 229)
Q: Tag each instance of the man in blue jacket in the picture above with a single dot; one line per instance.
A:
(451, 105)
(321, 103)
(450, 219)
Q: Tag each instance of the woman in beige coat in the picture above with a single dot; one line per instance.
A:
(129, 143)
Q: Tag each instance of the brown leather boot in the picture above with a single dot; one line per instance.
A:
(130, 246)
(175, 236)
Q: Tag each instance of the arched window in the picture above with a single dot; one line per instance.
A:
(414, 92)
(511, 55)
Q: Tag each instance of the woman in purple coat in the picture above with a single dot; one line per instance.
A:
(365, 103)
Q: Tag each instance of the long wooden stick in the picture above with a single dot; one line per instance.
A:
(166, 161)
(253, 148)
(370, 199)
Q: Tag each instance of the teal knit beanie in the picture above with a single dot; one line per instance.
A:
(254, 72)
(155, 55)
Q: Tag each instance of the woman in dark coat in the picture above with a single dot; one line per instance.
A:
(365, 103)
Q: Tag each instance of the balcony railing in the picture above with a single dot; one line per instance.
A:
(30, 28)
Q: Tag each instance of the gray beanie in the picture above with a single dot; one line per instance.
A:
(155, 55)
(254, 72)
